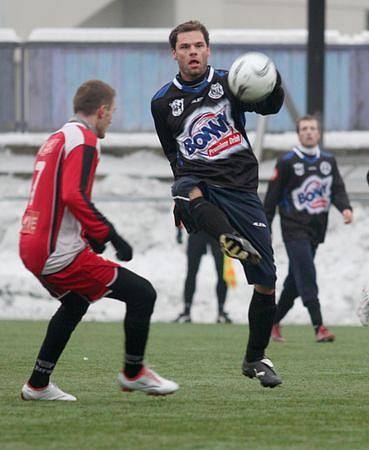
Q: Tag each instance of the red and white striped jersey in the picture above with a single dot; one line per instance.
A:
(60, 212)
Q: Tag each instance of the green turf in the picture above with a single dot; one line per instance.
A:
(323, 403)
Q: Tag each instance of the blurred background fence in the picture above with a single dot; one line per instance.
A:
(39, 76)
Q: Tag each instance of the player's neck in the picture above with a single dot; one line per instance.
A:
(196, 81)
(310, 151)
(87, 121)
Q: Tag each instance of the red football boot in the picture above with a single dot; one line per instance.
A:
(324, 335)
(276, 333)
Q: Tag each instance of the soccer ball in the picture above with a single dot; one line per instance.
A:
(252, 77)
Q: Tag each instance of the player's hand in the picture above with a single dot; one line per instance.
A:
(96, 246)
(177, 216)
(347, 216)
(124, 250)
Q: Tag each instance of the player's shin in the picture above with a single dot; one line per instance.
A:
(261, 317)
(139, 296)
(313, 307)
(59, 330)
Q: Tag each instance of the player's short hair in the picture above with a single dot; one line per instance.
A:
(91, 95)
(191, 25)
(306, 117)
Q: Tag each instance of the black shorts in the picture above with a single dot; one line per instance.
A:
(245, 213)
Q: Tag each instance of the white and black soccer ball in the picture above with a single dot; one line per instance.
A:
(252, 77)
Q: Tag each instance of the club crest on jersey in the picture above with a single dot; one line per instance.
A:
(211, 133)
(216, 91)
(177, 106)
(299, 169)
(314, 195)
(325, 167)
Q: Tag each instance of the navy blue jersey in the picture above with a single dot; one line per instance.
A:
(304, 187)
(201, 127)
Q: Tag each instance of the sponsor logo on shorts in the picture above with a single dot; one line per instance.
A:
(259, 224)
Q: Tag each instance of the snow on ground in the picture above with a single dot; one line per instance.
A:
(146, 221)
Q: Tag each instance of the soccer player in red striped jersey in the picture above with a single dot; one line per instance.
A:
(63, 232)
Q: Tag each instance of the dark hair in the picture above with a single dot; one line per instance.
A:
(307, 117)
(91, 95)
(191, 25)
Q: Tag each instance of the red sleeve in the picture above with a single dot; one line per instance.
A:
(78, 176)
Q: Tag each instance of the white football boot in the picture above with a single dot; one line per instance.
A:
(50, 392)
(363, 307)
(147, 381)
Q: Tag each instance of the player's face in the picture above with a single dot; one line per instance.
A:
(105, 115)
(309, 133)
(192, 54)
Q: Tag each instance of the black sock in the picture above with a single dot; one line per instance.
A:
(136, 334)
(136, 330)
(313, 307)
(208, 217)
(261, 318)
(132, 365)
(284, 304)
(58, 333)
(41, 374)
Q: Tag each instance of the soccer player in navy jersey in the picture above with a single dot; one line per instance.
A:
(201, 127)
(306, 182)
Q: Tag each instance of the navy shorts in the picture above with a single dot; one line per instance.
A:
(245, 213)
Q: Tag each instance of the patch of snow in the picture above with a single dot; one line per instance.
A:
(342, 261)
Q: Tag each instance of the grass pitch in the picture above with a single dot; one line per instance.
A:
(323, 403)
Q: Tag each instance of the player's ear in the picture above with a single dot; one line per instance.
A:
(174, 54)
(101, 111)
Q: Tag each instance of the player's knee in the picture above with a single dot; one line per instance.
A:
(147, 297)
(73, 310)
(195, 193)
(311, 303)
(151, 294)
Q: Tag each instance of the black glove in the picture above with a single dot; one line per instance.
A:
(179, 235)
(177, 216)
(124, 250)
(96, 246)
(367, 177)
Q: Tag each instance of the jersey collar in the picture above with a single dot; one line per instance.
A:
(301, 155)
(187, 88)
(77, 119)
